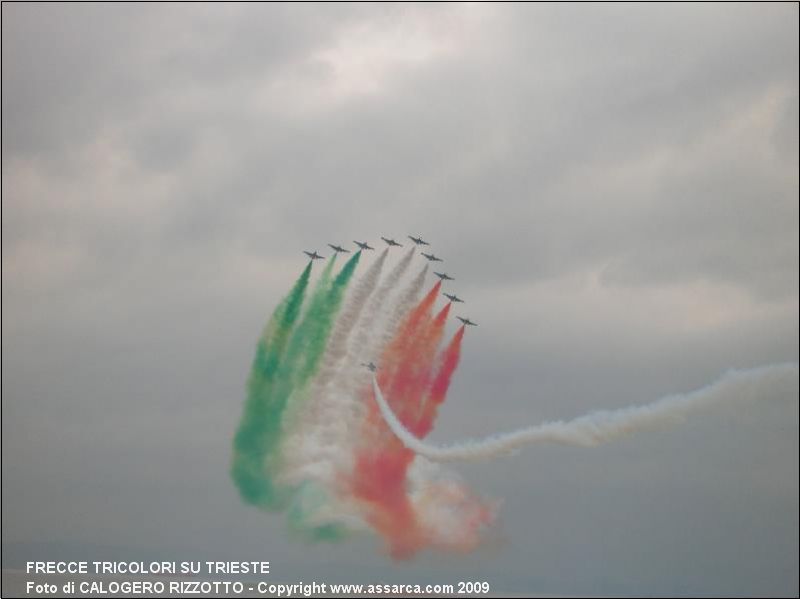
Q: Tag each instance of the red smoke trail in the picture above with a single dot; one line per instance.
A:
(395, 352)
(444, 513)
(379, 480)
(438, 392)
(381, 465)
(414, 375)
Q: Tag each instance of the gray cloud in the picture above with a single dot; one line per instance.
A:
(614, 187)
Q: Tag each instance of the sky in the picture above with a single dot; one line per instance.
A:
(614, 187)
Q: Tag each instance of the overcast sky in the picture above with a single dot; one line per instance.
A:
(614, 187)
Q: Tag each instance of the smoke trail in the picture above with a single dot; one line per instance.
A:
(597, 427)
(396, 354)
(312, 439)
(309, 341)
(379, 477)
(376, 304)
(329, 450)
(364, 349)
(249, 444)
(414, 375)
(441, 383)
(353, 376)
(400, 309)
(260, 439)
(298, 365)
(337, 344)
(312, 412)
(406, 372)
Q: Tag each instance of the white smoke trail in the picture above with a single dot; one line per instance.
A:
(319, 447)
(361, 348)
(353, 376)
(601, 426)
(324, 449)
(399, 311)
(372, 337)
(336, 348)
(382, 336)
(307, 409)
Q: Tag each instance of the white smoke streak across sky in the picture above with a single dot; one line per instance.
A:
(601, 426)
(312, 443)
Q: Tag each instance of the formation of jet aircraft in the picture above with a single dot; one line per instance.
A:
(418, 241)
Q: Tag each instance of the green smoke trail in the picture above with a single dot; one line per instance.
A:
(316, 326)
(250, 442)
(258, 439)
(300, 363)
(317, 338)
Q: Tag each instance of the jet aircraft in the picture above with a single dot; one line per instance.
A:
(467, 321)
(371, 366)
(432, 257)
(453, 298)
(418, 240)
(338, 248)
(364, 245)
(392, 242)
(444, 276)
(313, 255)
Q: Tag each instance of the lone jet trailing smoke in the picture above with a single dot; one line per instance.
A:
(319, 442)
